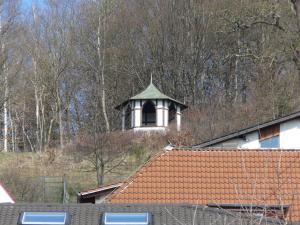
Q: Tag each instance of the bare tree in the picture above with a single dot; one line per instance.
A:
(8, 10)
(106, 152)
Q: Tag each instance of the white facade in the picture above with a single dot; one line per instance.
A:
(290, 134)
(4, 196)
(289, 138)
(251, 141)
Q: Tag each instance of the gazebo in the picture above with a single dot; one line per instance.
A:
(150, 110)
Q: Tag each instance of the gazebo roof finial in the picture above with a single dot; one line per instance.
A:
(151, 78)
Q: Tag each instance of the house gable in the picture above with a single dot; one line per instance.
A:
(5, 196)
(287, 128)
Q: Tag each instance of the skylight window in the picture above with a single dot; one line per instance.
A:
(126, 219)
(41, 218)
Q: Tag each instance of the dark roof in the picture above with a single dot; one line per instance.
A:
(151, 92)
(89, 214)
(100, 189)
(91, 195)
(239, 206)
(247, 130)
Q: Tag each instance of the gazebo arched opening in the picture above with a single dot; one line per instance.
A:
(172, 112)
(149, 114)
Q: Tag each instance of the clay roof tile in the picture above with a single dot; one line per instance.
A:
(224, 176)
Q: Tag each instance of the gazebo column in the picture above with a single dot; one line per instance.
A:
(132, 115)
(166, 113)
(123, 118)
(137, 114)
(159, 113)
(178, 118)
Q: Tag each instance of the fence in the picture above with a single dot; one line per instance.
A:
(55, 189)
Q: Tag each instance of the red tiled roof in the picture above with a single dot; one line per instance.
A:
(260, 177)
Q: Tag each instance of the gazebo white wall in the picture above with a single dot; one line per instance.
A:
(162, 115)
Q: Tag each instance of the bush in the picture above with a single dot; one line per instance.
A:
(24, 189)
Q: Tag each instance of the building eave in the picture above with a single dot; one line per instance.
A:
(100, 189)
(247, 130)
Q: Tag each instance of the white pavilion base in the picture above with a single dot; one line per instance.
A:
(150, 129)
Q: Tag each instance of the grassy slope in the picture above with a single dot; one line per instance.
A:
(20, 171)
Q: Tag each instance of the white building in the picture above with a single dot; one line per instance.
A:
(281, 133)
(150, 110)
(4, 196)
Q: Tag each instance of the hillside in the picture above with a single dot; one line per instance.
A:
(68, 64)
(37, 177)
(65, 66)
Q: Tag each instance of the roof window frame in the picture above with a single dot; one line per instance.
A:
(105, 222)
(23, 216)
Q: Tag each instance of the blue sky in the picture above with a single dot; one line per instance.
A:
(26, 3)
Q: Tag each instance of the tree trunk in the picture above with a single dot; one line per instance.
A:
(77, 113)
(12, 130)
(38, 91)
(37, 109)
(43, 130)
(5, 106)
(68, 124)
(237, 67)
(24, 131)
(101, 57)
(60, 121)
(100, 172)
(49, 132)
